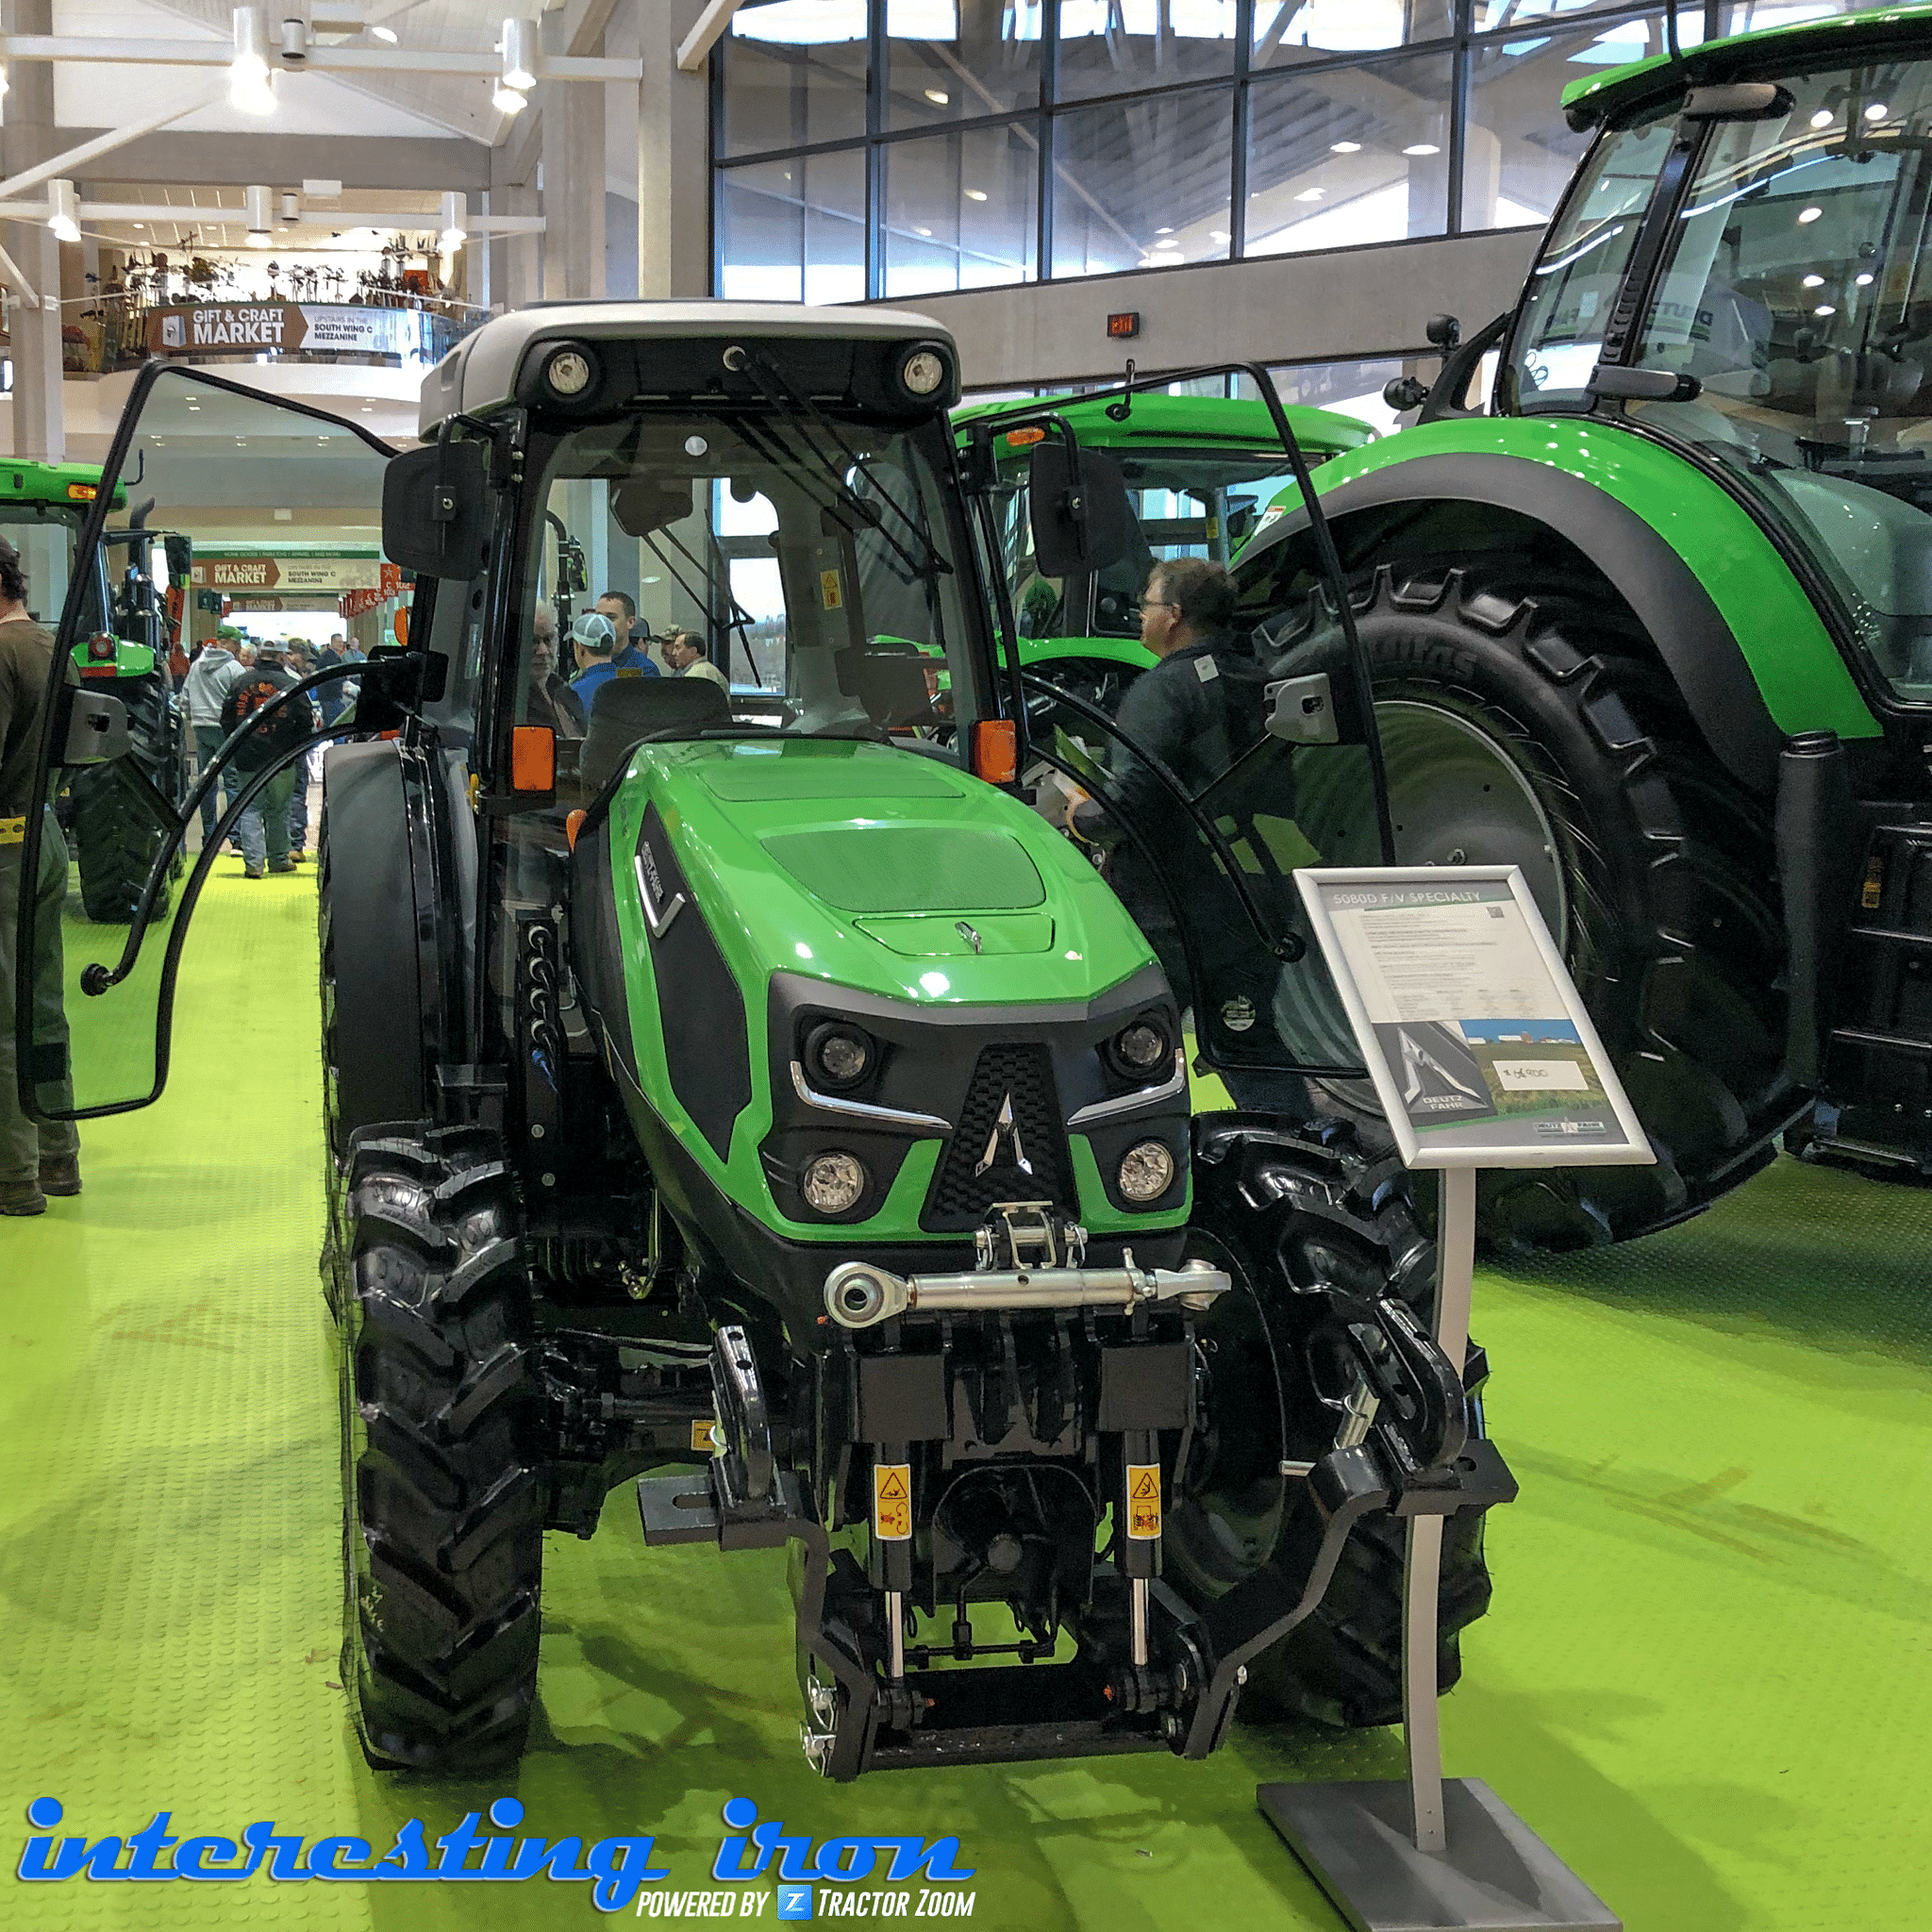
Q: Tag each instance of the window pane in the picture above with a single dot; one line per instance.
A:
(1521, 152)
(951, 60)
(1290, 31)
(1497, 16)
(793, 230)
(1745, 18)
(1351, 389)
(1143, 184)
(960, 211)
(1109, 47)
(1348, 154)
(794, 74)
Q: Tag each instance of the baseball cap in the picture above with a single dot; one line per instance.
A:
(596, 634)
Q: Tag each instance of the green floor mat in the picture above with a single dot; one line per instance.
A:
(1706, 1680)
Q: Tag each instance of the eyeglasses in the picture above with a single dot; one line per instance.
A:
(1156, 604)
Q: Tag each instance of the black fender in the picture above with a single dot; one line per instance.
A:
(1387, 513)
(392, 895)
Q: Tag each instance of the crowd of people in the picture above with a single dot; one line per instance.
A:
(602, 647)
(229, 679)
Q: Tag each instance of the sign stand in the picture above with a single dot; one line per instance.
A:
(1482, 1056)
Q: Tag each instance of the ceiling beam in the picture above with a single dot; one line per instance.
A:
(322, 58)
(707, 31)
(285, 160)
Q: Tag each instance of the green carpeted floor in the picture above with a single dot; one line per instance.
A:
(1706, 1680)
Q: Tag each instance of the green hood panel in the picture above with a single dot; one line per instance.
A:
(1806, 684)
(872, 867)
(855, 864)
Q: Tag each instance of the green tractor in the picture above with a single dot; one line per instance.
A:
(754, 1104)
(1202, 474)
(127, 641)
(1655, 621)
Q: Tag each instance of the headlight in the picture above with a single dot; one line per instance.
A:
(1146, 1171)
(922, 372)
(568, 373)
(835, 1183)
(838, 1056)
(1141, 1048)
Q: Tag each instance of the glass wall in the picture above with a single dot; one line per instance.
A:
(881, 148)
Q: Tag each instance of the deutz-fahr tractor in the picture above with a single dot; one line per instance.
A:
(1655, 621)
(755, 1089)
(1201, 471)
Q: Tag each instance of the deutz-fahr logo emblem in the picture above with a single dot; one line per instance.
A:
(1003, 1129)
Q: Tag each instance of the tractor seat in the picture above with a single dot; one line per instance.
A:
(628, 710)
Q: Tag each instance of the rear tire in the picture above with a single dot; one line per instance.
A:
(113, 837)
(1288, 1212)
(443, 1516)
(1527, 722)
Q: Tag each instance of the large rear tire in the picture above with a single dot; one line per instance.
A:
(114, 835)
(1286, 1212)
(1527, 722)
(442, 1506)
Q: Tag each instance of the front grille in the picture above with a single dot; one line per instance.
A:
(960, 1198)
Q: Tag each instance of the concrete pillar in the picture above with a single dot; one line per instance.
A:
(673, 158)
(573, 180)
(39, 422)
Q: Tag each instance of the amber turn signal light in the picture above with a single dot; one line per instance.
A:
(574, 824)
(533, 759)
(996, 750)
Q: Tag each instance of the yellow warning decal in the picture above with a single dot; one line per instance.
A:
(704, 1437)
(831, 591)
(892, 1501)
(1143, 1500)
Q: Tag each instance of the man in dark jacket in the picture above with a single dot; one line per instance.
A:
(263, 831)
(37, 1158)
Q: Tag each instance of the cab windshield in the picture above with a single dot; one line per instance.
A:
(1796, 289)
(1187, 503)
(803, 566)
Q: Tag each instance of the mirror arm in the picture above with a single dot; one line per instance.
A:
(1286, 946)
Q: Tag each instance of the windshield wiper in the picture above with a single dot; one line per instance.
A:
(806, 415)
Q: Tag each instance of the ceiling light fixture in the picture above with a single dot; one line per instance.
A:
(1422, 147)
(1863, 281)
(520, 55)
(451, 241)
(1814, 281)
(1344, 147)
(938, 96)
(259, 204)
(251, 87)
(975, 195)
(64, 201)
(386, 34)
(1309, 195)
(1823, 118)
(4, 83)
(507, 100)
(1808, 215)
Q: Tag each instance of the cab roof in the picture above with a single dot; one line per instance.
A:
(1192, 422)
(481, 372)
(74, 483)
(1759, 56)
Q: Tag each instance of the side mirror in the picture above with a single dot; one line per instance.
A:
(1078, 531)
(95, 731)
(435, 505)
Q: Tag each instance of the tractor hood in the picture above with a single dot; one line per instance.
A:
(879, 869)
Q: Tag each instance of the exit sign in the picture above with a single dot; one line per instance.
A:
(1126, 324)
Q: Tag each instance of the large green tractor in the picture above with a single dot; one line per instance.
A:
(1655, 621)
(755, 1089)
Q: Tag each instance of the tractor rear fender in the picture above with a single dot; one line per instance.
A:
(1728, 617)
(393, 891)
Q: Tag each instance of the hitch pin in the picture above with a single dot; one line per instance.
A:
(1358, 1411)
(895, 1635)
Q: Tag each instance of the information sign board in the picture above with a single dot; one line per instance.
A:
(1479, 1047)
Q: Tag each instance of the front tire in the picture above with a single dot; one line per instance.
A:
(442, 1509)
(1287, 1212)
(1524, 722)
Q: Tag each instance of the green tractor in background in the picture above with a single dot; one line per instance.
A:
(135, 598)
(1201, 475)
(1656, 624)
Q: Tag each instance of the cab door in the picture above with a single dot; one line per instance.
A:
(283, 504)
